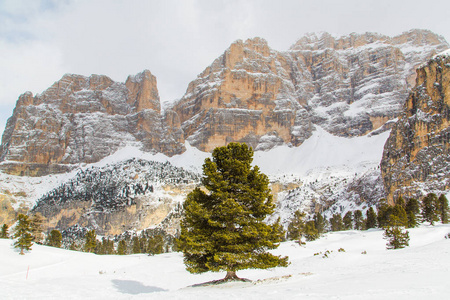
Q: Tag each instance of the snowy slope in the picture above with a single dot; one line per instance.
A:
(416, 272)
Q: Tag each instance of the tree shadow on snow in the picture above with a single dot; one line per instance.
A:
(135, 287)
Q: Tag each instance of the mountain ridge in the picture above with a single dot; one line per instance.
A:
(323, 115)
(251, 94)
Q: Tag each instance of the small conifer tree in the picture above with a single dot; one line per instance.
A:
(310, 231)
(4, 234)
(358, 218)
(23, 234)
(122, 247)
(224, 229)
(296, 227)
(398, 216)
(412, 209)
(336, 223)
(443, 208)
(136, 245)
(397, 238)
(430, 208)
(37, 223)
(143, 243)
(384, 213)
(155, 245)
(54, 239)
(108, 246)
(319, 223)
(348, 220)
(90, 241)
(371, 219)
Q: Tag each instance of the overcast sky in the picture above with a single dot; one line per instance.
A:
(41, 40)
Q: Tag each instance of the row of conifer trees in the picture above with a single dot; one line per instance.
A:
(407, 214)
(404, 214)
(128, 245)
(28, 230)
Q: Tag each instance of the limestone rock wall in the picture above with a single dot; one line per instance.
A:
(350, 86)
(416, 157)
(84, 119)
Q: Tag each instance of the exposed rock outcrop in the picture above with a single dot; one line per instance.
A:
(350, 86)
(84, 119)
(416, 157)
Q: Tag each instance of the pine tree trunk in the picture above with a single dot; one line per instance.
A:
(21, 251)
(231, 275)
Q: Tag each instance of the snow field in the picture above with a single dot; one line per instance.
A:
(416, 272)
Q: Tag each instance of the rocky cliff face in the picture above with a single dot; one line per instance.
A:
(246, 95)
(416, 157)
(350, 86)
(84, 119)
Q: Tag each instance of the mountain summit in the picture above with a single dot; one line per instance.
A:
(349, 86)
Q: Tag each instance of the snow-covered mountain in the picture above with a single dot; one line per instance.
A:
(317, 114)
(349, 86)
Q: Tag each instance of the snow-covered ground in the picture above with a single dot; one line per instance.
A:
(421, 271)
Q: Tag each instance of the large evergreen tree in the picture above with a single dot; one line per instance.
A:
(224, 229)
(4, 234)
(443, 208)
(23, 233)
(430, 208)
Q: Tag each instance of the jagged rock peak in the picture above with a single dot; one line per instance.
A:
(324, 40)
(264, 97)
(239, 50)
(246, 95)
(416, 157)
(84, 119)
(143, 91)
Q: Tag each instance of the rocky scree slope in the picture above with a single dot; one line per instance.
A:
(416, 157)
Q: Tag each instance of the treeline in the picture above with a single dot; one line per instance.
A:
(404, 214)
(28, 230)
(142, 243)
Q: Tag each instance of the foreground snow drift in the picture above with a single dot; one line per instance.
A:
(421, 270)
